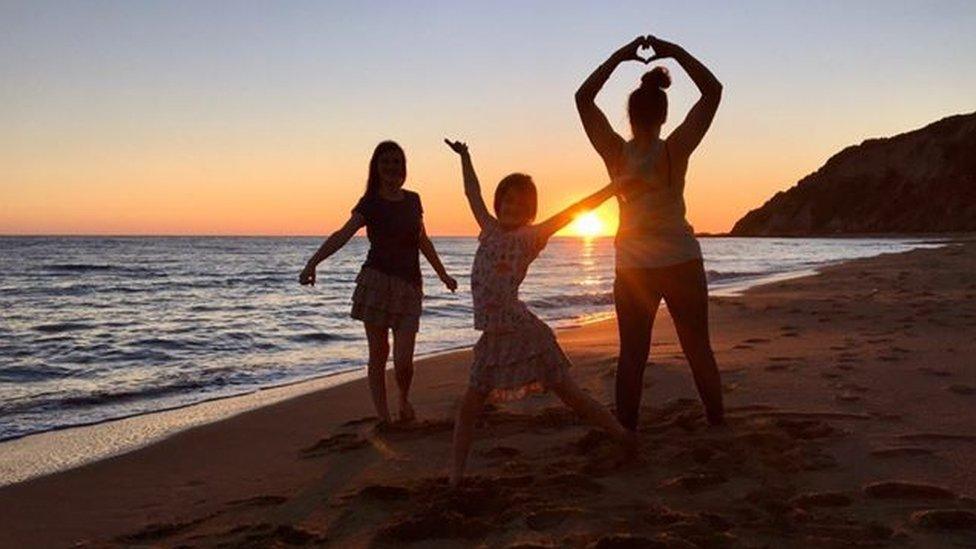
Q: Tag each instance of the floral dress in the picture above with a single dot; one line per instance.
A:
(517, 354)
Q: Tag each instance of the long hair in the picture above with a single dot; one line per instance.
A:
(373, 181)
(648, 104)
(524, 184)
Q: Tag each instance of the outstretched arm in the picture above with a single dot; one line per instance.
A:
(549, 227)
(427, 248)
(598, 129)
(331, 245)
(472, 189)
(686, 137)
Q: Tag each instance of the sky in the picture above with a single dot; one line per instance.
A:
(259, 118)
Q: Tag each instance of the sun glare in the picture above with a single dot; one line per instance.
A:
(587, 225)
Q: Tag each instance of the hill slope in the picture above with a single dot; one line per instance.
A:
(919, 181)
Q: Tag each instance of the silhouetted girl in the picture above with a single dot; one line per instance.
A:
(517, 354)
(657, 253)
(388, 288)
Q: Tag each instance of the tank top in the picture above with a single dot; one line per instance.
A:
(653, 231)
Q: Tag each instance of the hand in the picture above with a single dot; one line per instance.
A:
(307, 276)
(630, 52)
(662, 48)
(458, 147)
(449, 282)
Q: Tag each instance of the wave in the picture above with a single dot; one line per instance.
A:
(58, 327)
(318, 337)
(33, 372)
(562, 301)
(98, 267)
(715, 276)
(62, 403)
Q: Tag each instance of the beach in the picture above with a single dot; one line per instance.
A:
(851, 402)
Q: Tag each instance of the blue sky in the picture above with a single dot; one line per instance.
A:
(104, 98)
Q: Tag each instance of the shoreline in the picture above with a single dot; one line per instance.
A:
(68, 447)
(876, 346)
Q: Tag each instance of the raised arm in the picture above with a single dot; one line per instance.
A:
(598, 129)
(472, 189)
(331, 245)
(686, 137)
(427, 248)
(549, 227)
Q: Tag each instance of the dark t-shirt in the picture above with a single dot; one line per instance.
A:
(393, 228)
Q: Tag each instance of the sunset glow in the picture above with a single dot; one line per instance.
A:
(195, 119)
(587, 225)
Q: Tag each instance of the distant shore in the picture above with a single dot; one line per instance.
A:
(851, 408)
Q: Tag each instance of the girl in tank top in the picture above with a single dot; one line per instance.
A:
(657, 254)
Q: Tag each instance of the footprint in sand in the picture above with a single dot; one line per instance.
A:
(822, 499)
(944, 519)
(342, 442)
(906, 490)
(551, 517)
(360, 421)
(573, 482)
(257, 501)
(935, 372)
(382, 492)
(694, 482)
(777, 368)
(501, 452)
(928, 437)
(900, 451)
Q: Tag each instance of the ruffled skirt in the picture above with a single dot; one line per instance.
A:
(385, 300)
(514, 364)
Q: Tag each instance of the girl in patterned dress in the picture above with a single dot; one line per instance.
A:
(517, 354)
(388, 288)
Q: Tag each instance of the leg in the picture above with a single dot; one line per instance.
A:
(379, 351)
(687, 299)
(467, 413)
(636, 306)
(403, 345)
(583, 404)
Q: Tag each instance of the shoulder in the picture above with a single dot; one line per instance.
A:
(534, 236)
(487, 230)
(413, 198)
(364, 204)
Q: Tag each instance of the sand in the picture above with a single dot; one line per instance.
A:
(851, 401)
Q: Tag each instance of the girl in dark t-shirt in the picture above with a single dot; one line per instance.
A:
(388, 288)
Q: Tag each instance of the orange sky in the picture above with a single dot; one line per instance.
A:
(156, 120)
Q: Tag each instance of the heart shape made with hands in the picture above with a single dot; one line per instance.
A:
(647, 45)
(646, 60)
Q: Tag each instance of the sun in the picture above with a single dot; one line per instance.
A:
(587, 225)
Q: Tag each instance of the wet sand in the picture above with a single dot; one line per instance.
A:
(851, 401)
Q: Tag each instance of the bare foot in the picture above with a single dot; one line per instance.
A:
(455, 479)
(630, 444)
(407, 413)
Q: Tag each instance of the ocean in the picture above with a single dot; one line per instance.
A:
(99, 328)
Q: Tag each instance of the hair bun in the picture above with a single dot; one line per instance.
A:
(658, 77)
